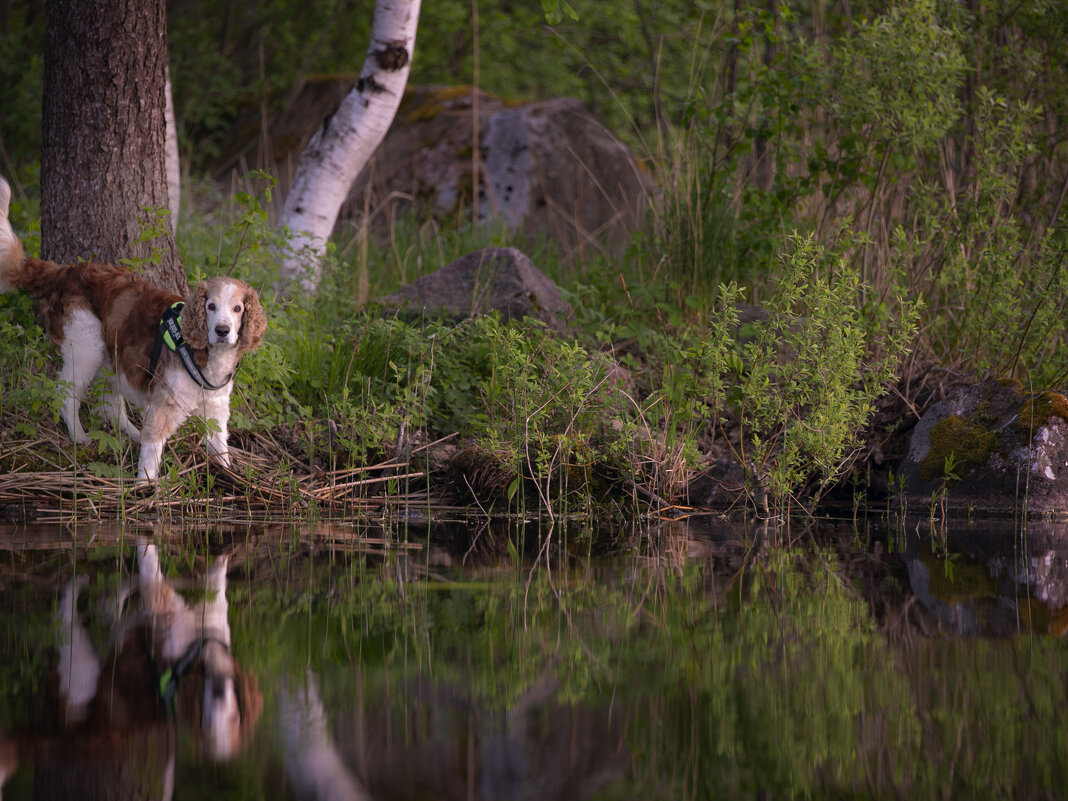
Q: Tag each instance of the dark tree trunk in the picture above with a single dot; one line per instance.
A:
(102, 153)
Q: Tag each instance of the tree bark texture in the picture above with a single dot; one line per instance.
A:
(102, 154)
(346, 141)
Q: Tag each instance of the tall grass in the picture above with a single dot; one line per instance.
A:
(901, 140)
(633, 399)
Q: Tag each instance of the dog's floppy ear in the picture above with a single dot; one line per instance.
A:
(195, 318)
(253, 322)
(191, 702)
(250, 701)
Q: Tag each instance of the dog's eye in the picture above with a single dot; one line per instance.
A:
(237, 308)
(211, 307)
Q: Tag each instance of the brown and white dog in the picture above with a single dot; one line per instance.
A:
(107, 720)
(100, 315)
(225, 702)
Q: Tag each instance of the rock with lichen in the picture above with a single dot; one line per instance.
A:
(992, 447)
(536, 168)
(545, 168)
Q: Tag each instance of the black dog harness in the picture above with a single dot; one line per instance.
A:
(168, 680)
(169, 333)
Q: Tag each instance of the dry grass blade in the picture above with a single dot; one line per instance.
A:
(256, 490)
(336, 490)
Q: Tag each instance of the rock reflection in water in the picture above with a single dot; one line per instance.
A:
(987, 579)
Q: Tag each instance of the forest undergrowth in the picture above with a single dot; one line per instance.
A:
(852, 211)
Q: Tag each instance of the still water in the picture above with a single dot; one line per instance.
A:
(698, 659)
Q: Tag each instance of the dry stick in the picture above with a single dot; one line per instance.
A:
(872, 203)
(388, 464)
(103, 495)
(330, 493)
(108, 495)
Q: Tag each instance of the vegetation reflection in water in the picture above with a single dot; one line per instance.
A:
(748, 672)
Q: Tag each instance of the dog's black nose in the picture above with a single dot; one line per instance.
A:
(222, 330)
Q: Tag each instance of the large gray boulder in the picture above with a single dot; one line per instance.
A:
(545, 167)
(1007, 450)
(494, 279)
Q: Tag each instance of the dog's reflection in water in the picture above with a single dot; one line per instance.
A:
(109, 728)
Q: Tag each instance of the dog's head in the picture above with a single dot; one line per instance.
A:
(220, 701)
(224, 311)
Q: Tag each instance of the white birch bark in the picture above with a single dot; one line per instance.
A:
(170, 148)
(345, 142)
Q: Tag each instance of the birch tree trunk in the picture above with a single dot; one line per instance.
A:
(345, 142)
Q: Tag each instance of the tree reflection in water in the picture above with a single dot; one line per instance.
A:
(721, 662)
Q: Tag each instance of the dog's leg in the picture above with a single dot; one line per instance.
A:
(83, 354)
(11, 253)
(221, 715)
(149, 571)
(161, 421)
(177, 626)
(79, 666)
(157, 596)
(216, 608)
(216, 446)
(217, 411)
(116, 406)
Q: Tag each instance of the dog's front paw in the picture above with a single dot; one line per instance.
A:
(144, 485)
(222, 459)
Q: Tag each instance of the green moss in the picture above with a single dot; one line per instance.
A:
(962, 581)
(420, 104)
(431, 103)
(969, 440)
(1038, 409)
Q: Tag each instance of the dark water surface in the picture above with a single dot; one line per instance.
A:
(698, 659)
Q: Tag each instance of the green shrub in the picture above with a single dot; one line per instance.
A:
(810, 377)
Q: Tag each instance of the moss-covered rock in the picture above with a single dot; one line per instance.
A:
(1039, 409)
(960, 443)
(1007, 450)
(545, 168)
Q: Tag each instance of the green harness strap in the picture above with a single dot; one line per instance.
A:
(169, 333)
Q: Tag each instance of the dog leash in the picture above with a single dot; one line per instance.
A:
(169, 333)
